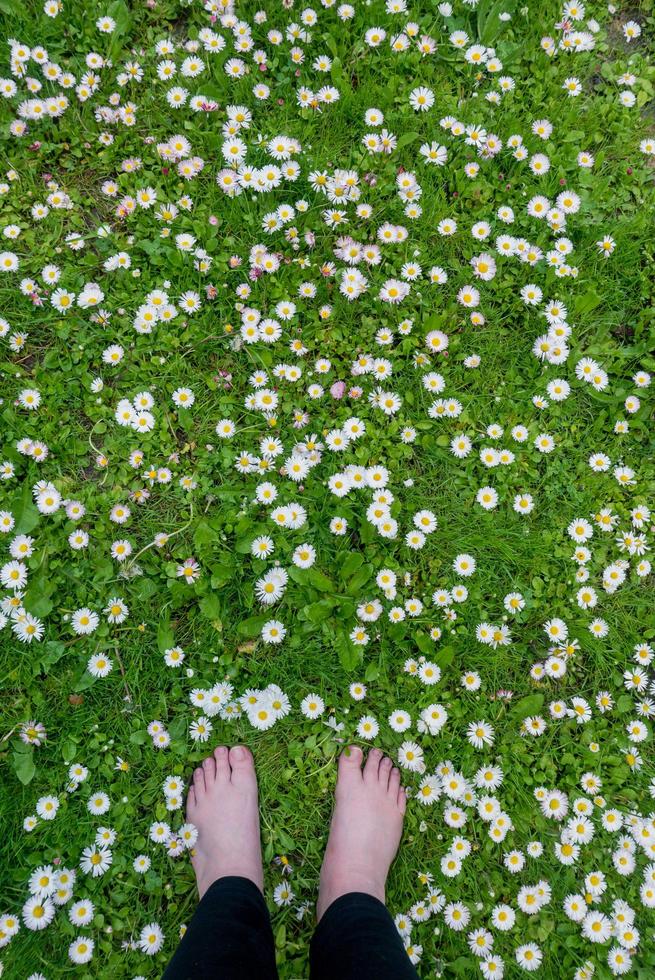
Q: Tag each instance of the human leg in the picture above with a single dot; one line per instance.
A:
(229, 936)
(356, 939)
(356, 936)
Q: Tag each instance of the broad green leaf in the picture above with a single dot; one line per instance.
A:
(37, 604)
(444, 656)
(204, 534)
(253, 625)
(359, 580)
(25, 512)
(353, 561)
(490, 26)
(349, 655)
(406, 140)
(165, 637)
(210, 607)
(317, 612)
(320, 581)
(424, 643)
(22, 759)
(527, 706)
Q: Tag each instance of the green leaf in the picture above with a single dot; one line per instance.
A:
(22, 760)
(165, 638)
(435, 321)
(529, 705)
(359, 579)
(221, 575)
(210, 607)
(462, 965)
(12, 8)
(145, 588)
(204, 534)
(37, 598)
(103, 571)
(332, 44)
(242, 545)
(54, 650)
(588, 302)
(253, 625)
(406, 140)
(37, 604)
(317, 612)
(489, 23)
(68, 751)
(336, 73)
(287, 842)
(320, 581)
(624, 704)
(353, 561)
(298, 575)
(573, 136)
(86, 681)
(424, 643)
(349, 654)
(445, 656)
(25, 513)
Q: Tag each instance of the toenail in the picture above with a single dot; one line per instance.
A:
(238, 753)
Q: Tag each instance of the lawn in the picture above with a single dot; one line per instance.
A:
(326, 348)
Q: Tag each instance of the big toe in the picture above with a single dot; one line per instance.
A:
(242, 765)
(350, 765)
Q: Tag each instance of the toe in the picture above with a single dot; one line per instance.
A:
(199, 781)
(384, 771)
(222, 759)
(394, 783)
(372, 765)
(209, 768)
(242, 764)
(191, 801)
(350, 763)
(402, 800)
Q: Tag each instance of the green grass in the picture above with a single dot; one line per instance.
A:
(217, 621)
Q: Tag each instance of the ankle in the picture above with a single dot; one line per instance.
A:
(253, 874)
(335, 884)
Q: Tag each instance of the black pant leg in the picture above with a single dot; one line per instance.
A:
(228, 938)
(357, 940)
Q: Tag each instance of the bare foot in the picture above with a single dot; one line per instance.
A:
(366, 827)
(222, 803)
